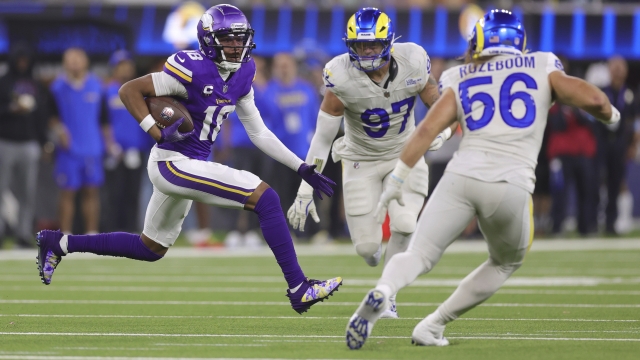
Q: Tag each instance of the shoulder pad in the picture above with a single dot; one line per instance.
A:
(181, 65)
(446, 79)
(552, 62)
(335, 73)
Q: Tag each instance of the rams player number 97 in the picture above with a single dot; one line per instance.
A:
(374, 87)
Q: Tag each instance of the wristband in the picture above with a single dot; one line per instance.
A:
(147, 123)
(401, 171)
(615, 115)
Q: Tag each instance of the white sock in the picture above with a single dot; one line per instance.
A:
(64, 242)
(295, 289)
(385, 289)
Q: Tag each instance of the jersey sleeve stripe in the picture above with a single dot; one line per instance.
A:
(172, 60)
(177, 72)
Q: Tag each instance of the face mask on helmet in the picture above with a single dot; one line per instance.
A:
(228, 46)
(369, 55)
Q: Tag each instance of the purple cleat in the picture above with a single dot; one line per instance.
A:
(311, 292)
(48, 245)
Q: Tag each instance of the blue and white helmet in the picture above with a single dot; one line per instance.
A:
(497, 32)
(370, 25)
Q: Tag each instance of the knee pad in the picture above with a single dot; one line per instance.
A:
(367, 250)
(357, 199)
(404, 223)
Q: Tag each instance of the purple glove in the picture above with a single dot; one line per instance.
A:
(171, 134)
(318, 182)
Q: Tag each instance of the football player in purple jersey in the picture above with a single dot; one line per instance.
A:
(211, 83)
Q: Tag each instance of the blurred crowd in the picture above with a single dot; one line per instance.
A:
(72, 157)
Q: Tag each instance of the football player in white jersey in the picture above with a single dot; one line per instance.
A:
(374, 86)
(501, 97)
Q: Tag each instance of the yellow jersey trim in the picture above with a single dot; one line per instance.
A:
(177, 72)
(244, 193)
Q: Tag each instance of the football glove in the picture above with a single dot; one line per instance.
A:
(302, 207)
(440, 140)
(319, 183)
(171, 133)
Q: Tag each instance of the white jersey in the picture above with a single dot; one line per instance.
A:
(378, 121)
(502, 108)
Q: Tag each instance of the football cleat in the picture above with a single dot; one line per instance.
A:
(47, 260)
(311, 292)
(391, 312)
(427, 333)
(361, 323)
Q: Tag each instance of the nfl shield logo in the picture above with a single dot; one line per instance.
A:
(166, 114)
(356, 165)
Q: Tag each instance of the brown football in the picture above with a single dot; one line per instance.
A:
(165, 110)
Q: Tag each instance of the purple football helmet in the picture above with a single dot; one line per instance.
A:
(224, 21)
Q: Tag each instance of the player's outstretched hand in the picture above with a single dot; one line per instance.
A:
(172, 134)
(392, 191)
(301, 208)
(319, 183)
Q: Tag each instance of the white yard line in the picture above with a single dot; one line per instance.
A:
(304, 318)
(213, 289)
(274, 303)
(519, 281)
(535, 338)
(505, 337)
(50, 357)
(347, 249)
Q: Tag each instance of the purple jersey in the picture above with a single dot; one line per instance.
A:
(210, 100)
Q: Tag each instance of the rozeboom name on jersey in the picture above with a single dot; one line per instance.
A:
(527, 61)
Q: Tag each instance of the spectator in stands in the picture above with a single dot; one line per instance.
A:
(246, 156)
(78, 95)
(23, 125)
(614, 140)
(297, 107)
(571, 151)
(127, 146)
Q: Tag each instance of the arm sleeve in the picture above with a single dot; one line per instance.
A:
(327, 128)
(165, 84)
(261, 136)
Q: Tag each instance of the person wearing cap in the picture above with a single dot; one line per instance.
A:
(126, 145)
(23, 119)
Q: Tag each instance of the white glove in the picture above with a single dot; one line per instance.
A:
(440, 140)
(392, 191)
(301, 208)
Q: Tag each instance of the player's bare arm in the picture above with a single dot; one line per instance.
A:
(332, 105)
(132, 94)
(430, 94)
(579, 93)
(441, 115)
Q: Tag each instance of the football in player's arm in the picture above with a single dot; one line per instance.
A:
(210, 83)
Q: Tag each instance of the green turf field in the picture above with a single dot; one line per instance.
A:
(566, 302)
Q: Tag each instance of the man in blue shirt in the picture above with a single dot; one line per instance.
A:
(126, 145)
(77, 94)
(296, 104)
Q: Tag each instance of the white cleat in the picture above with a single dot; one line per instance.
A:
(391, 312)
(427, 333)
(361, 323)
